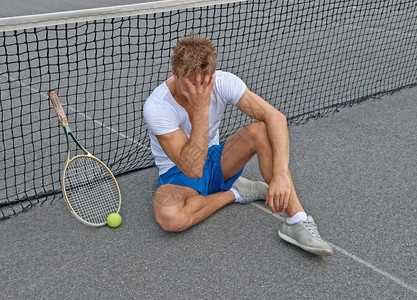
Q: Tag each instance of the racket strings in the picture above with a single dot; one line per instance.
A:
(91, 190)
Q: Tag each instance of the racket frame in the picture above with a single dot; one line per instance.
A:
(67, 130)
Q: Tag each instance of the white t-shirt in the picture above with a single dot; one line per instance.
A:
(164, 115)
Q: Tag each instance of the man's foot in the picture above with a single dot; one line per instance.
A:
(306, 236)
(250, 190)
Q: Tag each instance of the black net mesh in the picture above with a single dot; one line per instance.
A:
(306, 58)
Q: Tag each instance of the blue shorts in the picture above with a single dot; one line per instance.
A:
(212, 180)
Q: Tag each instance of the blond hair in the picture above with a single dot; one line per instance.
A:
(192, 55)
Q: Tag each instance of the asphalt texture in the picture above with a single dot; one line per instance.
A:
(354, 171)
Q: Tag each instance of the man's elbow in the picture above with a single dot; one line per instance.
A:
(282, 117)
(276, 116)
(194, 173)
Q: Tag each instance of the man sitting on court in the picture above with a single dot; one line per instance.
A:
(197, 176)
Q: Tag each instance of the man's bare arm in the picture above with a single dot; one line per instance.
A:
(190, 154)
(279, 187)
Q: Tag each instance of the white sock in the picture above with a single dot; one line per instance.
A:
(237, 196)
(300, 216)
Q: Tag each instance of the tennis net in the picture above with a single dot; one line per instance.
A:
(307, 58)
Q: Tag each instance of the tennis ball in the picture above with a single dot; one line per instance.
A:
(114, 220)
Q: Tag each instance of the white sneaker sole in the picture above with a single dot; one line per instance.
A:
(316, 251)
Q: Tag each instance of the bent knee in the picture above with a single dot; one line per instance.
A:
(174, 224)
(257, 126)
(258, 129)
(168, 203)
(170, 219)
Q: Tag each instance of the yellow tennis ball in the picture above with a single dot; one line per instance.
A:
(114, 220)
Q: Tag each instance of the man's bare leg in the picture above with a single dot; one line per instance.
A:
(242, 146)
(178, 207)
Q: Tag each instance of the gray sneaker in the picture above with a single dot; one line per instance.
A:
(250, 190)
(306, 236)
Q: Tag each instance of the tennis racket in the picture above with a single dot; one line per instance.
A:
(89, 187)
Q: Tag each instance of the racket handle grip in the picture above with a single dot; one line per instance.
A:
(58, 108)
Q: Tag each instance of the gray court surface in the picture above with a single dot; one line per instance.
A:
(355, 172)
